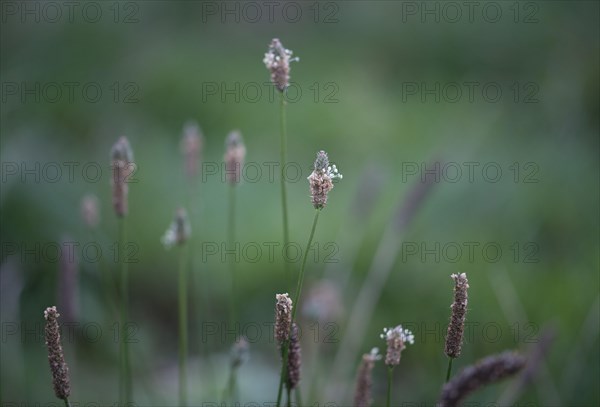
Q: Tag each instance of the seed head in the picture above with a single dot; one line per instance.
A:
(283, 317)
(122, 166)
(294, 359)
(179, 231)
(235, 152)
(191, 147)
(484, 372)
(89, 210)
(277, 60)
(321, 180)
(239, 352)
(456, 327)
(56, 357)
(323, 302)
(364, 381)
(396, 339)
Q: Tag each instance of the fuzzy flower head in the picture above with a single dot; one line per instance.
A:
(239, 352)
(56, 357)
(364, 380)
(235, 153)
(283, 317)
(456, 327)
(396, 339)
(121, 156)
(179, 231)
(90, 211)
(321, 180)
(191, 147)
(277, 60)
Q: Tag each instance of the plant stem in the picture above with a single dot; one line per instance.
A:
(284, 371)
(296, 305)
(183, 328)
(389, 385)
(289, 396)
(231, 244)
(125, 390)
(304, 257)
(283, 161)
(449, 371)
(67, 403)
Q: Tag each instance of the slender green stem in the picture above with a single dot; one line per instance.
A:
(285, 346)
(283, 162)
(231, 244)
(232, 385)
(284, 370)
(108, 282)
(125, 388)
(67, 403)
(183, 328)
(289, 397)
(449, 371)
(304, 257)
(389, 385)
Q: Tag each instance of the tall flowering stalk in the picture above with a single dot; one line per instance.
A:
(364, 380)
(238, 356)
(56, 357)
(122, 167)
(321, 182)
(396, 339)
(235, 153)
(277, 60)
(294, 364)
(456, 327)
(178, 234)
(486, 371)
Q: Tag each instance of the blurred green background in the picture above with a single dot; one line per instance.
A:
(364, 72)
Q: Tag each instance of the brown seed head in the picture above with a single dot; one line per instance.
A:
(191, 148)
(235, 152)
(239, 352)
(277, 60)
(321, 180)
(90, 212)
(364, 381)
(294, 359)
(179, 231)
(484, 372)
(283, 317)
(396, 339)
(56, 357)
(456, 328)
(122, 167)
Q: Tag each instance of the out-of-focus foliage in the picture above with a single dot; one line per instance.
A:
(368, 74)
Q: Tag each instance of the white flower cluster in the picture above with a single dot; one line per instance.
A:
(405, 335)
(274, 58)
(374, 354)
(333, 173)
(169, 239)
